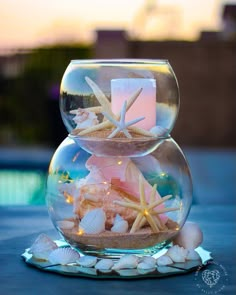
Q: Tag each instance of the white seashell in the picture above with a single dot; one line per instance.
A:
(65, 224)
(42, 247)
(164, 260)
(63, 256)
(128, 272)
(127, 261)
(120, 225)
(104, 264)
(177, 254)
(144, 266)
(189, 237)
(158, 130)
(87, 261)
(84, 118)
(149, 260)
(143, 271)
(193, 255)
(93, 222)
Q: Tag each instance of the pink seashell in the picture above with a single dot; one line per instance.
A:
(42, 247)
(189, 237)
(123, 174)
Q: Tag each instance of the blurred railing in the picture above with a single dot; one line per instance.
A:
(23, 174)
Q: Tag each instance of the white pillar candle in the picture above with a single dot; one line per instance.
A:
(145, 104)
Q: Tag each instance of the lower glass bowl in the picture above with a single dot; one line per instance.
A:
(104, 205)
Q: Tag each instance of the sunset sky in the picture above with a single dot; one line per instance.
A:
(27, 23)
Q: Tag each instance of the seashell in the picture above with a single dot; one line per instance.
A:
(145, 266)
(87, 261)
(143, 271)
(164, 260)
(93, 222)
(84, 118)
(126, 261)
(177, 254)
(128, 272)
(149, 260)
(120, 225)
(167, 269)
(42, 247)
(104, 264)
(63, 256)
(193, 255)
(189, 237)
(158, 131)
(65, 224)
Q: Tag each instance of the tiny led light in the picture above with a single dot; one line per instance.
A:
(69, 199)
(145, 212)
(119, 162)
(80, 232)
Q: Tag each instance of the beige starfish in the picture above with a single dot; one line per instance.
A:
(106, 108)
(146, 211)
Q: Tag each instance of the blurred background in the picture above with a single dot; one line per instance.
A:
(39, 38)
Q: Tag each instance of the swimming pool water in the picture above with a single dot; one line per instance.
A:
(19, 187)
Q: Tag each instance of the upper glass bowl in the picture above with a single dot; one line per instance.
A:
(119, 107)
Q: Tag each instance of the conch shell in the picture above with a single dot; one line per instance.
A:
(111, 179)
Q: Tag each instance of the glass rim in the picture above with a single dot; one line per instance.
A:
(120, 61)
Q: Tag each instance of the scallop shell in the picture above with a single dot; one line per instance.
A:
(104, 264)
(189, 237)
(177, 254)
(164, 260)
(192, 255)
(120, 225)
(87, 261)
(93, 222)
(127, 261)
(63, 256)
(42, 247)
(65, 224)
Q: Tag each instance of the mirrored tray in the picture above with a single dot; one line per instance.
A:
(91, 272)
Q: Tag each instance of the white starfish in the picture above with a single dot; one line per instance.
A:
(121, 125)
(106, 108)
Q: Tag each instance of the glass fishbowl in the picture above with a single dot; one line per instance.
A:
(119, 183)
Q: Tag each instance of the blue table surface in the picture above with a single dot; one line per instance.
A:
(20, 225)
